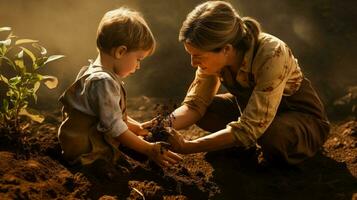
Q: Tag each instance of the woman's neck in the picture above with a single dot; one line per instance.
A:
(235, 61)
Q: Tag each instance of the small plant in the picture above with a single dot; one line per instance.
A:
(163, 119)
(22, 79)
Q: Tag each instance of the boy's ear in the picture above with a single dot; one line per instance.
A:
(120, 51)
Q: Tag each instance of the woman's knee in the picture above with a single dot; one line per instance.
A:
(219, 113)
(278, 142)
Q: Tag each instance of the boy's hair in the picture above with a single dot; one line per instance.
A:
(125, 27)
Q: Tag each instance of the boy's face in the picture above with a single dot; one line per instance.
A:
(129, 62)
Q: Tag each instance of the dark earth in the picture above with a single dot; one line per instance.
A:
(36, 170)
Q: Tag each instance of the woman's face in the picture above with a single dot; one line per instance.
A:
(209, 62)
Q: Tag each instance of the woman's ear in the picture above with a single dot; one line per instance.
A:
(227, 49)
(120, 51)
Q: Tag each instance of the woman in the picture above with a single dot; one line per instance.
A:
(270, 102)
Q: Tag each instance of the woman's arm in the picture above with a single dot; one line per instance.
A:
(216, 141)
(184, 117)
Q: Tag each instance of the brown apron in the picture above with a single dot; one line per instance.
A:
(79, 138)
(297, 132)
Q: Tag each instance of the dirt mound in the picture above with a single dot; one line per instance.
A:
(39, 172)
(38, 177)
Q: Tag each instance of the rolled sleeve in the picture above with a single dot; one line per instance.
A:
(104, 97)
(263, 104)
(201, 92)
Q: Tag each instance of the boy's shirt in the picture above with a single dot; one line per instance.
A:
(99, 92)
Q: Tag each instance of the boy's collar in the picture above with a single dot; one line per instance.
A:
(95, 67)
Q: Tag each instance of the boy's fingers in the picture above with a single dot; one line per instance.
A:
(145, 132)
(170, 160)
(150, 123)
(146, 125)
(164, 163)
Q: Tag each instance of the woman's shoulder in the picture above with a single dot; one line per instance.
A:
(269, 39)
(270, 45)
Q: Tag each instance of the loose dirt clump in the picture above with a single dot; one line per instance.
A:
(162, 120)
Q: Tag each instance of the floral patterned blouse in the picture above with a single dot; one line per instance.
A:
(275, 72)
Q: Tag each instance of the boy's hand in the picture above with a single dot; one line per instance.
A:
(162, 156)
(177, 142)
(142, 132)
(149, 124)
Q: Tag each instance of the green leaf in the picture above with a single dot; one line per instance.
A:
(40, 62)
(29, 53)
(34, 97)
(5, 105)
(6, 28)
(39, 77)
(3, 78)
(2, 51)
(20, 64)
(20, 54)
(53, 57)
(9, 93)
(34, 117)
(42, 49)
(25, 41)
(15, 80)
(36, 86)
(50, 81)
(6, 42)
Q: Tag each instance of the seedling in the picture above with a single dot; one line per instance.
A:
(22, 59)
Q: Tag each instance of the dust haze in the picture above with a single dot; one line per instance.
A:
(321, 33)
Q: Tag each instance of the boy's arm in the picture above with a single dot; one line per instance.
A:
(136, 127)
(154, 151)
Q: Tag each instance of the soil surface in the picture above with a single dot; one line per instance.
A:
(37, 170)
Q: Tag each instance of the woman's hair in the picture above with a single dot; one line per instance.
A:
(213, 24)
(126, 27)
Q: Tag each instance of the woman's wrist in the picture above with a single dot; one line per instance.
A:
(188, 147)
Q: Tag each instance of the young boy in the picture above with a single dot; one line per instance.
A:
(95, 119)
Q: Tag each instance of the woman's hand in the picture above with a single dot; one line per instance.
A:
(177, 143)
(161, 155)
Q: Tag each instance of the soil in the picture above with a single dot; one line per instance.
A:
(37, 171)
